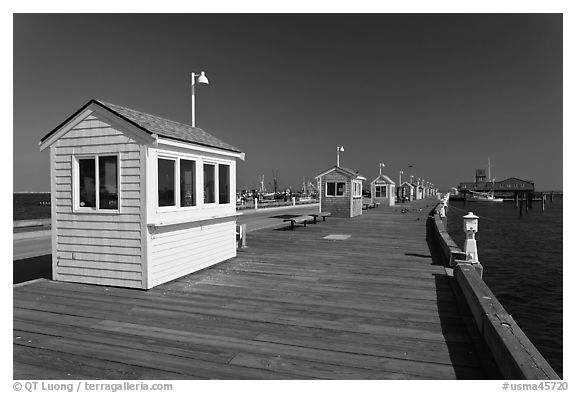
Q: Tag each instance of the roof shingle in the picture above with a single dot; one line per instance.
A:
(168, 128)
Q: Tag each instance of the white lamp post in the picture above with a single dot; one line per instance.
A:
(201, 79)
(471, 228)
(338, 150)
(380, 167)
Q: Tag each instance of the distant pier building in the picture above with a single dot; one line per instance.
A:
(507, 188)
(383, 190)
(340, 191)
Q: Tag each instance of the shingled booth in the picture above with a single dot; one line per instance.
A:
(340, 191)
(383, 190)
(138, 200)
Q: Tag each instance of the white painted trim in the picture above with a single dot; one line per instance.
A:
(53, 213)
(76, 208)
(159, 224)
(336, 190)
(145, 257)
(204, 149)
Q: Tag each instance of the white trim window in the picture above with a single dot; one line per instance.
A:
(335, 188)
(380, 192)
(179, 187)
(176, 182)
(209, 183)
(96, 183)
(166, 182)
(223, 184)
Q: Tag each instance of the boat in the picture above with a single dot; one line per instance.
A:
(483, 197)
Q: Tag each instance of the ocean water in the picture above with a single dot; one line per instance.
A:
(522, 260)
(27, 206)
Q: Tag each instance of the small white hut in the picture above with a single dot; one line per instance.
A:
(405, 192)
(138, 200)
(383, 190)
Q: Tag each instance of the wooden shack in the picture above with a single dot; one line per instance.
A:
(138, 200)
(383, 190)
(340, 191)
(405, 192)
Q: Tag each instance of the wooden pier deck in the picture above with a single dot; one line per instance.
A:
(292, 305)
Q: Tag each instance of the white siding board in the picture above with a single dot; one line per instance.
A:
(129, 179)
(131, 163)
(135, 251)
(64, 194)
(178, 253)
(89, 256)
(101, 218)
(64, 202)
(100, 234)
(189, 242)
(63, 187)
(94, 141)
(130, 194)
(75, 263)
(101, 273)
(63, 179)
(99, 241)
(81, 131)
(97, 149)
(129, 187)
(63, 165)
(61, 172)
(101, 281)
(189, 267)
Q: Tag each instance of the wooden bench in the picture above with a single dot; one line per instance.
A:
(368, 205)
(298, 220)
(322, 214)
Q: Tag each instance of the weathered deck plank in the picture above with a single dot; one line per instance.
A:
(291, 305)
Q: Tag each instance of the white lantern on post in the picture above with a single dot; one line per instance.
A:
(471, 228)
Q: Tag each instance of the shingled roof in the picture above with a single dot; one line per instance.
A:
(157, 125)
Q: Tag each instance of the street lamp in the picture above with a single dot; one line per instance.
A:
(381, 166)
(201, 79)
(338, 150)
(400, 178)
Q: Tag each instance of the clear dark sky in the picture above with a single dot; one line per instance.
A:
(439, 92)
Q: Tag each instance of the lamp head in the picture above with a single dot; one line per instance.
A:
(202, 78)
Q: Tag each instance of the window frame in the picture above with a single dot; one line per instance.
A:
(336, 189)
(76, 208)
(216, 185)
(195, 182)
(199, 163)
(177, 197)
(229, 184)
(176, 182)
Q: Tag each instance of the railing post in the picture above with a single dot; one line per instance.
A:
(241, 230)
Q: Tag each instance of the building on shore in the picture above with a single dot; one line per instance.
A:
(138, 200)
(506, 188)
(340, 191)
